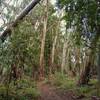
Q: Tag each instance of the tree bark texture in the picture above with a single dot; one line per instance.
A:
(43, 41)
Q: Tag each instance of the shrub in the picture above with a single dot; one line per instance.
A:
(24, 89)
(62, 81)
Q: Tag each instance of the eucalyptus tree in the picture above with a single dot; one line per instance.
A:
(49, 39)
(38, 43)
(17, 54)
(84, 16)
(53, 50)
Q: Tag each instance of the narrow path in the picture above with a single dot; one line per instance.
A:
(50, 93)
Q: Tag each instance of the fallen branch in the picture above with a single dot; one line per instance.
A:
(24, 12)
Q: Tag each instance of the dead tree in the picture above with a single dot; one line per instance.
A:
(24, 12)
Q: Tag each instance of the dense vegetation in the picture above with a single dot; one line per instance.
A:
(56, 44)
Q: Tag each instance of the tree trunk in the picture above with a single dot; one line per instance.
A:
(84, 77)
(53, 49)
(85, 74)
(98, 29)
(77, 60)
(64, 57)
(43, 41)
(24, 12)
(98, 66)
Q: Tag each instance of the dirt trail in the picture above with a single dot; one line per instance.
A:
(50, 93)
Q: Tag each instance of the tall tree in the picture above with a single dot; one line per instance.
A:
(54, 47)
(45, 20)
(78, 14)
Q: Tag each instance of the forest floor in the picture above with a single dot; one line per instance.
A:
(49, 92)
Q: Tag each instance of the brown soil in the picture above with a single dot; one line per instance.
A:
(49, 92)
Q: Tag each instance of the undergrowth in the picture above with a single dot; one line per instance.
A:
(65, 82)
(24, 89)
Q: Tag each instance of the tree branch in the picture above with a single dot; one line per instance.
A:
(24, 12)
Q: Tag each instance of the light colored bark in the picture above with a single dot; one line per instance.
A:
(24, 12)
(84, 77)
(63, 65)
(43, 40)
(54, 45)
(77, 60)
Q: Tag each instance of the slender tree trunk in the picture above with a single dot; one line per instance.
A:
(98, 29)
(64, 57)
(85, 74)
(77, 60)
(53, 49)
(69, 68)
(98, 66)
(84, 77)
(43, 41)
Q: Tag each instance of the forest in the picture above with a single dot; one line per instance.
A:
(49, 49)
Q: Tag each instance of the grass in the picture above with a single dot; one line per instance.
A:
(25, 89)
(62, 81)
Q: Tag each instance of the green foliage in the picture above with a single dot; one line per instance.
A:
(89, 90)
(75, 11)
(25, 89)
(21, 49)
(84, 90)
(62, 81)
(59, 79)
